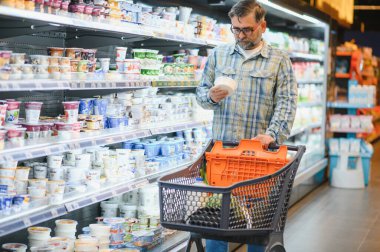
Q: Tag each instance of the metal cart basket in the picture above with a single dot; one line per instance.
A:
(252, 211)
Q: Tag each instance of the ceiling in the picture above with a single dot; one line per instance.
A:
(370, 18)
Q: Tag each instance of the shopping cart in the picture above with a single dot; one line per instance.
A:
(251, 212)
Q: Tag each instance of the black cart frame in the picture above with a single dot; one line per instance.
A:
(253, 211)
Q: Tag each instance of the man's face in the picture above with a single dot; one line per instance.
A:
(247, 31)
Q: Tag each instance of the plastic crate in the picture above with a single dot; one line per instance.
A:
(226, 166)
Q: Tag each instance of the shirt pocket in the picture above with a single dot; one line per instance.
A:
(265, 82)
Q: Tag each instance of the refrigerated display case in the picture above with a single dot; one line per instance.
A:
(36, 30)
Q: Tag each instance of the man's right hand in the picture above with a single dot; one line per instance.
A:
(217, 94)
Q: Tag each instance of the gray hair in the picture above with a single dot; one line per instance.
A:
(246, 7)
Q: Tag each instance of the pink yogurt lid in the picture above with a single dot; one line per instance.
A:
(32, 127)
(3, 108)
(33, 105)
(60, 126)
(46, 126)
(2, 134)
(15, 132)
(69, 105)
(12, 105)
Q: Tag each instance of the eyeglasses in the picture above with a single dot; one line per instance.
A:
(246, 30)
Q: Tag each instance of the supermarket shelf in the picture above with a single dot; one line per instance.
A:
(116, 27)
(306, 56)
(349, 131)
(175, 83)
(342, 76)
(30, 217)
(309, 172)
(348, 105)
(41, 211)
(177, 241)
(55, 145)
(297, 131)
(29, 85)
(309, 104)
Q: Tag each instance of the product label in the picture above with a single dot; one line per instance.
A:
(71, 115)
(32, 116)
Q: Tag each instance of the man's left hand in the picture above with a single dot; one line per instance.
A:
(265, 140)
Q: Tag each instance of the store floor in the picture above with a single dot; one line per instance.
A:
(337, 220)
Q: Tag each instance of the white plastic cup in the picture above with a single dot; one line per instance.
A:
(55, 173)
(100, 154)
(93, 174)
(9, 165)
(39, 171)
(184, 14)
(71, 111)
(32, 111)
(109, 209)
(21, 186)
(55, 199)
(54, 161)
(10, 173)
(226, 83)
(120, 66)
(74, 174)
(56, 187)
(83, 161)
(16, 247)
(22, 173)
(38, 182)
(105, 64)
(121, 53)
(128, 211)
(36, 192)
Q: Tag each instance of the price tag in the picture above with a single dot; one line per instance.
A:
(27, 222)
(54, 213)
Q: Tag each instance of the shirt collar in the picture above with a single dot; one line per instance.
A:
(264, 51)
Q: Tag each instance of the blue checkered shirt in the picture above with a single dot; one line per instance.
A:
(265, 100)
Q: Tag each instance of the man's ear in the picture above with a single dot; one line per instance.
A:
(263, 25)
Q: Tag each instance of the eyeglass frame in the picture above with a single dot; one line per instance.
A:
(246, 33)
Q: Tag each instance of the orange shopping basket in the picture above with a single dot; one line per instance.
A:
(226, 166)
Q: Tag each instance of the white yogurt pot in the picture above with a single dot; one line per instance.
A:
(14, 247)
(39, 171)
(66, 225)
(38, 182)
(36, 192)
(83, 161)
(74, 174)
(22, 173)
(55, 199)
(226, 83)
(10, 173)
(39, 233)
(54, 161)
(55, 173)
(56, 186)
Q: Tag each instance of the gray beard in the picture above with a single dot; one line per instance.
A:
(247, 46)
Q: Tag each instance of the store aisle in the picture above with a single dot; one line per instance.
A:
(334, 220)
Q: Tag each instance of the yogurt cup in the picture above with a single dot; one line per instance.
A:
(105, 64)
(21, 187)
(64, 61)
(40, 60)
(74, 174)
(40, 171)
(12, 112)
(74, 53)
(16, 135)
(9, 165)
(14, 247)
(2, 138)
(17, 58)
(32, 130)
(10, 173)
(54, 161)
(36, 192)
(39, 234)
(83, 161)
(5, 58)
(32, 111)
(41, 71)
(54, 60)
(71, 111)
(56, 187)
(64, 130)
(88, 54)
(55, 51)
(45, 129)
(226, 83)
(22, 173)
(38, 182)
(54, 72)
(3, 113)
(55, 173)
(121, 53)
(120, 66)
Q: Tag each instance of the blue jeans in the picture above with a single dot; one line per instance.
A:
(222, 246)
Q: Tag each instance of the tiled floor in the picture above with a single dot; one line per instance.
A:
(337, 220)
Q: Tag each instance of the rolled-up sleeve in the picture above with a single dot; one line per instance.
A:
(207, 82)
(285, 103)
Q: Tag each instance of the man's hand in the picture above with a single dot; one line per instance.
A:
(217, 94)
(265, 140)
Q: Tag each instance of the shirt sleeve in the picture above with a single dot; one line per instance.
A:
(285, 103)
(207, 82)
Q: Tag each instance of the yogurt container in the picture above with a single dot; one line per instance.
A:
(14, 247)
(88, 54)
(55, 51)
(121, 53)
(105, 64)
(32, 111)
(2, 138)
(32, 130)
(40, 59)
(41, 71)
(5, 58)
(38, 182)
(17, 58)
(13, 111)
(22, 173)
(3, 112)
(71, 111)
(16, 135)
(74, 53)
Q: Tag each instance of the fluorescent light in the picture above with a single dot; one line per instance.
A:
(293, 13)
(52, 24)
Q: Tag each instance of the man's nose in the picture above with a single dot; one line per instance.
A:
(241, 35)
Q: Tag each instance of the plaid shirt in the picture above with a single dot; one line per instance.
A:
(265, 100)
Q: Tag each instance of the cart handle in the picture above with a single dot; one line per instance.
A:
(272, 146)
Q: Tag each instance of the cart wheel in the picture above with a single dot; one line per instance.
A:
(277, 248)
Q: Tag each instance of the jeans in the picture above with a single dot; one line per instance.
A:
(222, 246)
